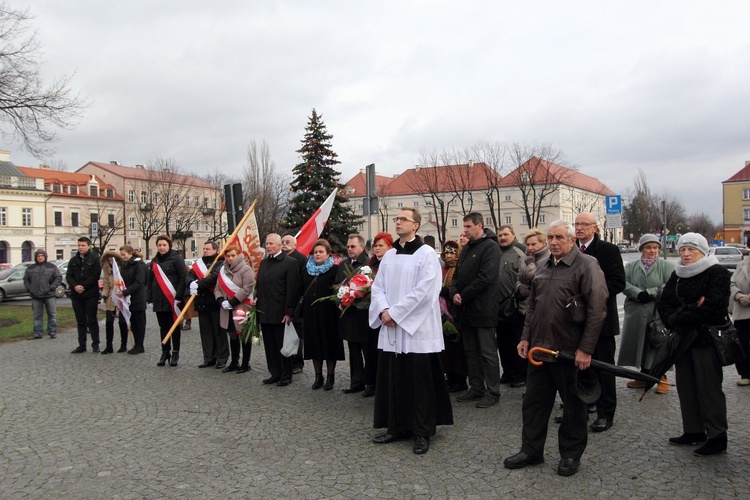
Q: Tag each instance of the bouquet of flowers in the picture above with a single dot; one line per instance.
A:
(246, 317)
(356, 293)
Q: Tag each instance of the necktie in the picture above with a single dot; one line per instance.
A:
(583, 248)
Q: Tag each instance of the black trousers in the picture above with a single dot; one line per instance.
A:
(109, 328)
(213, 339)
(85, 310)
(542, 384)
(743, 332)
(166, 320)
(371, 356)
(356, 363)
(607, 403)
(508, 335)
(702, 402)
(138, 327)
(298, 360)
(273, 339)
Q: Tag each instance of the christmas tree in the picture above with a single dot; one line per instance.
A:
(314, 180)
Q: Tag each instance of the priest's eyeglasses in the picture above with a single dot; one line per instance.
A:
(403, 219)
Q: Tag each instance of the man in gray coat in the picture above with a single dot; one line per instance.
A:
(41, 280)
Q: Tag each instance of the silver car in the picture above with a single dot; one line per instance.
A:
(729, 257)
(11, 283)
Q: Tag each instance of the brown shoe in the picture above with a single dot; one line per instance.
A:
(636, 384)
(663, 386)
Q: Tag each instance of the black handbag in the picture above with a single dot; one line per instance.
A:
(727, 343)
(656, 331)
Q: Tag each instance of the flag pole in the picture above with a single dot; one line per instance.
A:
(189, 302)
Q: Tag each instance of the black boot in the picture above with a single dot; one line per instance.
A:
(164, 358)
(330, 379)
(318, 381)
(175, 358)
(123, 348)
(108, 349)
(713, 446)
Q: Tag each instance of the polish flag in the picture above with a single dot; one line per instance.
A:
(310, 232)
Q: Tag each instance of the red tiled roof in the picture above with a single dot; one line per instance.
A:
(741, 176)
(67, 179)
(359, 184)
(143, 174)
(543, 172)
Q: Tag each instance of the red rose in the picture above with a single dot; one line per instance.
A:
(359, 281)
(347, 300)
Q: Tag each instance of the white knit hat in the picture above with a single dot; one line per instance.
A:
(694, 240)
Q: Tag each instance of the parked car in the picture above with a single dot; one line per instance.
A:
(5, 265)
(11, 283)
(745, 251)
(728, 257)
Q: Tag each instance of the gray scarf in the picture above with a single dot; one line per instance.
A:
(696, 268)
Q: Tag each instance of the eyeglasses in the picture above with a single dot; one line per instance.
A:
(583, 224)
(352, 246)
(403, 219)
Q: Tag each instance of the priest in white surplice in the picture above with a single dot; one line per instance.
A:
(411, 397)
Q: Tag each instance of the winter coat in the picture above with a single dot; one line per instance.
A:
(277, 288)
(354, 324)
(638, 314)
(321, 326)
(41, 280)
(242, 275)
(108, 279)
(526, 273)
(610, 261)
(477, 281)
(205, 299)
(510, 262)
(134, 273)
(174, 268)
(84, 270)
(740, 284)
(547, 323)
(679, 309)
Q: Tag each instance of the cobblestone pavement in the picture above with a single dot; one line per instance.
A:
(118, 426)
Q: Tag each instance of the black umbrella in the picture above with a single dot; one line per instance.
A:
(617, 371)
(673, 346)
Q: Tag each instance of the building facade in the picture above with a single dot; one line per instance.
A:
(736, 207)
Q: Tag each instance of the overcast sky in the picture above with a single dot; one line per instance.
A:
(661, 86)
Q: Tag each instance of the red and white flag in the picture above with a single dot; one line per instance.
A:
(247, 238)
(310, 232)
(122, 303)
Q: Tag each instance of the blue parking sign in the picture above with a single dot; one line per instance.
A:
(614, 204)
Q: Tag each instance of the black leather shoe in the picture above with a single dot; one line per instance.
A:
(271, 380)
(518, 383)
(387, 437)
(568, 466)
(284, 383)
(207, 364)
(164, 358)
(369, 391)
(352, 390)
(108, 350)
(243, 369)
(137, 350)
(95, 348)
(421, 445)
(521, 460)
(689, 438)
(713, 446)
(232, 367)
(221, 366)
(601, 424)
(78, 350)
(123, 348)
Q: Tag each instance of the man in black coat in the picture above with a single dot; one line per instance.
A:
(276, 296)
(610, 261)
(289, 247)
(475, 293)
(354, 323)
(82, 277)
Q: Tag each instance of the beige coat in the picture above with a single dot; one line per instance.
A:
(241, 275)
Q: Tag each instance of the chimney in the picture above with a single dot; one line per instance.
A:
(747, 162)
(362, 170)
(417, 167)
(113, 162)
(139, 166)
(471, 163)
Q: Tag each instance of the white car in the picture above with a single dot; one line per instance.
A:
(728, 257)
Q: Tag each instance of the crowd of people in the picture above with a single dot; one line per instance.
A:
(432, 324)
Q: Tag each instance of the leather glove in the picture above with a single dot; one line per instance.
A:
(226, 305)
(194, 287)
(744, 299)
(644, 297)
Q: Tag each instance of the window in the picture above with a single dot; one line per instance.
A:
(399, 205)
(155, 198)
(746, 194)
(59, 254)
(196, 201)
(454, 222)
(110, 193)
(205, 202)
(131, 196)
(416, 203)
(187, 201)
(94, 217)
(206, 227)
(197, 227)
(216, 204)
(94, 190)
(3, 216)
(144, 196)
(746, 214)
(56, 187)
(359, 207)
(58, 218)
(508, 219)
(542, 219)
(177, 200)
(74, 219)
(524, 219)
(471, 199)
(26, 217)
(131, 224)
(428, 203)
(111, 220)
(73, 189)
(508, 197)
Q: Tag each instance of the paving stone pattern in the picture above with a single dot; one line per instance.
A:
(118, 426)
